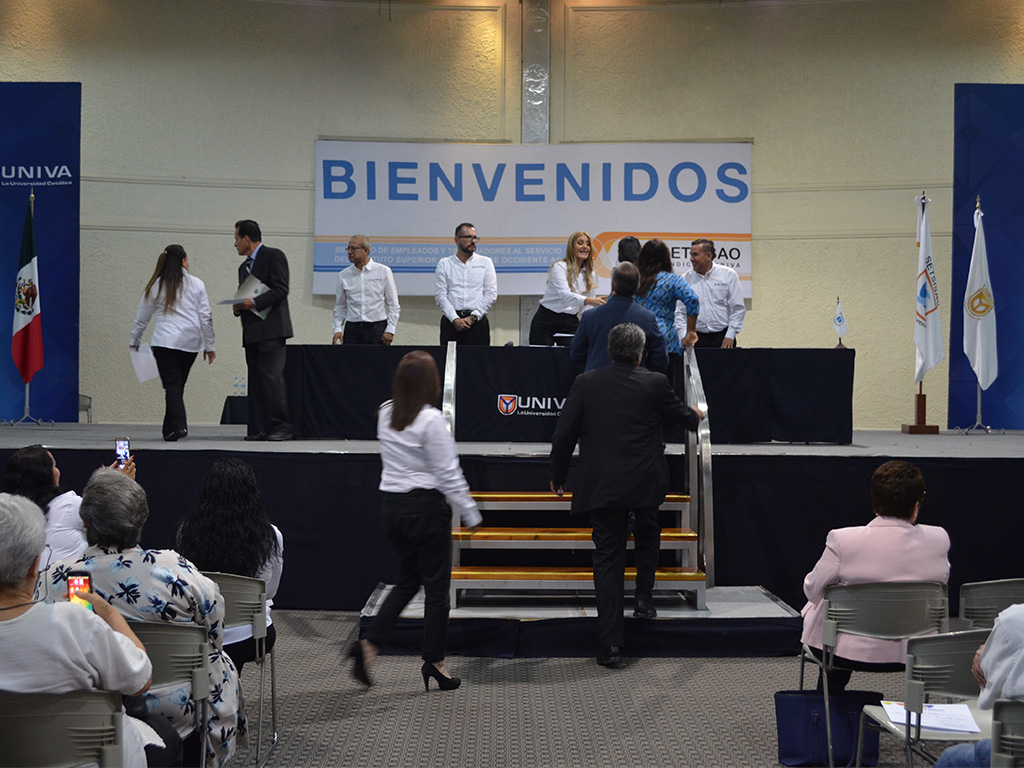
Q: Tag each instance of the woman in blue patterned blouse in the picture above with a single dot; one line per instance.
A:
(660, 289)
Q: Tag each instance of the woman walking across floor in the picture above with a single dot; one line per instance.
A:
(570, 289)
(660, 289)
(182, 328)
(420, 469)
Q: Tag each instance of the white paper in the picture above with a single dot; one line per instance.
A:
(144, 363)
(250, 288)
(938, 717)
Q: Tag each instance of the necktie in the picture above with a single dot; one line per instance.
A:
(248, 265)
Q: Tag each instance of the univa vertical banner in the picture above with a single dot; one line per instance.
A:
(40, 153)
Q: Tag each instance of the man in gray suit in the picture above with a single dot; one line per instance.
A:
(616, 414)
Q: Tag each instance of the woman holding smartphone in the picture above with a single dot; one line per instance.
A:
(183, 327)
(420, 469)
(569, 290)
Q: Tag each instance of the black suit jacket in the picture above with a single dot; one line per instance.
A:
(616, 413)
(590, 344)
(271, 267)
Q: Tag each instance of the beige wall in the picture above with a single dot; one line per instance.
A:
(196, 114)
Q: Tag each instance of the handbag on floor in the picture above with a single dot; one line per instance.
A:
(800, 722)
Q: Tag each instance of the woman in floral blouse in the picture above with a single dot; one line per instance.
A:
(153, 585)
(660, 289)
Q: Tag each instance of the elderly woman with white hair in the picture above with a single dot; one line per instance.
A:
(64, 647)
(153, 585)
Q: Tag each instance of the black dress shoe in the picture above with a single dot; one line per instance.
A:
(277, 437)
(644, 609)
(257, 436)
(176, 435)
(610, 657)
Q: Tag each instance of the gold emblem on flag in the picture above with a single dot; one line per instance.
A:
(25, 300)
(980, 303)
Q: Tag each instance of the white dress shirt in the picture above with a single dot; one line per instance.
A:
(423, 455)
(188, 327)
(65, 531)
(561, 297)
(472, 285)
(721, 301)
(366, 295)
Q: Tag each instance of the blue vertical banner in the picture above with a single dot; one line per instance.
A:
(40, 153)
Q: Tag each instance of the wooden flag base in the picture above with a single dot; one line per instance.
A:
(919, 427)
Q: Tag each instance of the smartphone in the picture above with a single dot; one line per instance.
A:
(79, 581)
(123, 449)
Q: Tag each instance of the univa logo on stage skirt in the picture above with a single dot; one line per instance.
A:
(507, 404)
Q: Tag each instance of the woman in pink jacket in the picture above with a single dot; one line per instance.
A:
(892, 547)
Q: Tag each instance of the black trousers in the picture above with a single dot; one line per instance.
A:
(244, 651)
(611, 530)
(419, 526)
(546, 324)
(479, 334)
(174, 366)
(839, 676)
(265, 360)
(712, 339)
(364, 333)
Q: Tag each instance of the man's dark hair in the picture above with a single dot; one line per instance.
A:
(896, 487)
(625, 278)
(708, 245)
(249, 228)
(463, 225)
(626, 343)
(629, 248)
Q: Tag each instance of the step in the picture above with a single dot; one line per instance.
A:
(528, 500)
(555, 538)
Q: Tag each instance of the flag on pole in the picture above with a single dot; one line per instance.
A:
(839, 320)
(928, 322)
(980, 312)
(27, 338)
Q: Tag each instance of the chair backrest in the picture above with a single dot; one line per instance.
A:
(57, 729)
(180, 654)
(1007, 733)
(245, 601)
(941, 664)
(982, 601)
(887, 610)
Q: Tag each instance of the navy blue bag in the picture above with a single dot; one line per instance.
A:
(800, 722)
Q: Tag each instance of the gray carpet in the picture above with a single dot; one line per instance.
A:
(523, 712)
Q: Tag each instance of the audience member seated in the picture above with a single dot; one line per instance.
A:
(999, 668)
(153, 585)
(228, 531)
(65, 647)
(32, 472)
(892, 547)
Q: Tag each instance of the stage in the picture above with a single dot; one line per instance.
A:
(773, 503)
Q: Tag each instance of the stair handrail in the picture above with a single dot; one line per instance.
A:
(448, 390)
(698, 451)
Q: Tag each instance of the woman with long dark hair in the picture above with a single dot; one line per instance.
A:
(183, 327)
(660, 289)
(420, 469)
(228, 531)
(571, 287)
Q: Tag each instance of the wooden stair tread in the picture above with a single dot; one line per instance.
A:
(553, 534)
(541, 573)
(548, 496)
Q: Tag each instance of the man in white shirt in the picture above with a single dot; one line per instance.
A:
(465, 287)
(721, 298)
(366, 301)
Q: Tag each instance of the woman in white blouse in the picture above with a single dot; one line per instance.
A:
(569, 290)
(420, 477)
(183, 327)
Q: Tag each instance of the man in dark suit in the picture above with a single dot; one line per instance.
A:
(264, 339)
(590, 344)
(616, 413)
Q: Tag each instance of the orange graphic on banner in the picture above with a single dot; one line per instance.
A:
(606, 260)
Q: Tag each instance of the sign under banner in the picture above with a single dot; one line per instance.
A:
(525, 201)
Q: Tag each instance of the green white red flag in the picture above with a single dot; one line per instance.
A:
(27, 338)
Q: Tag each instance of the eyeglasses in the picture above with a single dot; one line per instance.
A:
(468, 237)
(352, 248)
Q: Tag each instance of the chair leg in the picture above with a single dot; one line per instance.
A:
(261, 661)
(803, 660)
(204, 730)
(828, 719)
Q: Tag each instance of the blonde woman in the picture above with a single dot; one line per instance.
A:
(570, 289)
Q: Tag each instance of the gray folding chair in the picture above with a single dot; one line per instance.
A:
(1008, 734)
(61, 729)
(885, 610)
(982, 601)
(181, 656)
(245, 604)
(937, 665)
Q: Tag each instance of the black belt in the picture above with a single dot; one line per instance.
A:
(464, 312)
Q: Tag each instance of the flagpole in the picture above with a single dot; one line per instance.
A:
(921, 425)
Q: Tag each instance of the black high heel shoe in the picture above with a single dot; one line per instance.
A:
(444, 683)
(359, 672)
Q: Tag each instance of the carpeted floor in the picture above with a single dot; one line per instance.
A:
(523, 712)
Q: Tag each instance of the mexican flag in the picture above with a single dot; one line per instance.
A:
(27, 339)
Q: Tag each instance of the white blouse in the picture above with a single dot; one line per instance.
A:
(561, 297)
(188, 327)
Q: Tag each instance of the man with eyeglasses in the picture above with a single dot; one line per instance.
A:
(366, 305)
(465, 287)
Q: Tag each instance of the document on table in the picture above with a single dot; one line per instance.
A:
(250, 288)
(939, 717)
(144, 363)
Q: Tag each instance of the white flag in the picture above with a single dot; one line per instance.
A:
(928, 322)
(980, 312)
(839, 320)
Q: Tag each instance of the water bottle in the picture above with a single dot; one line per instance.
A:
(243, 392)
(236, 387)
